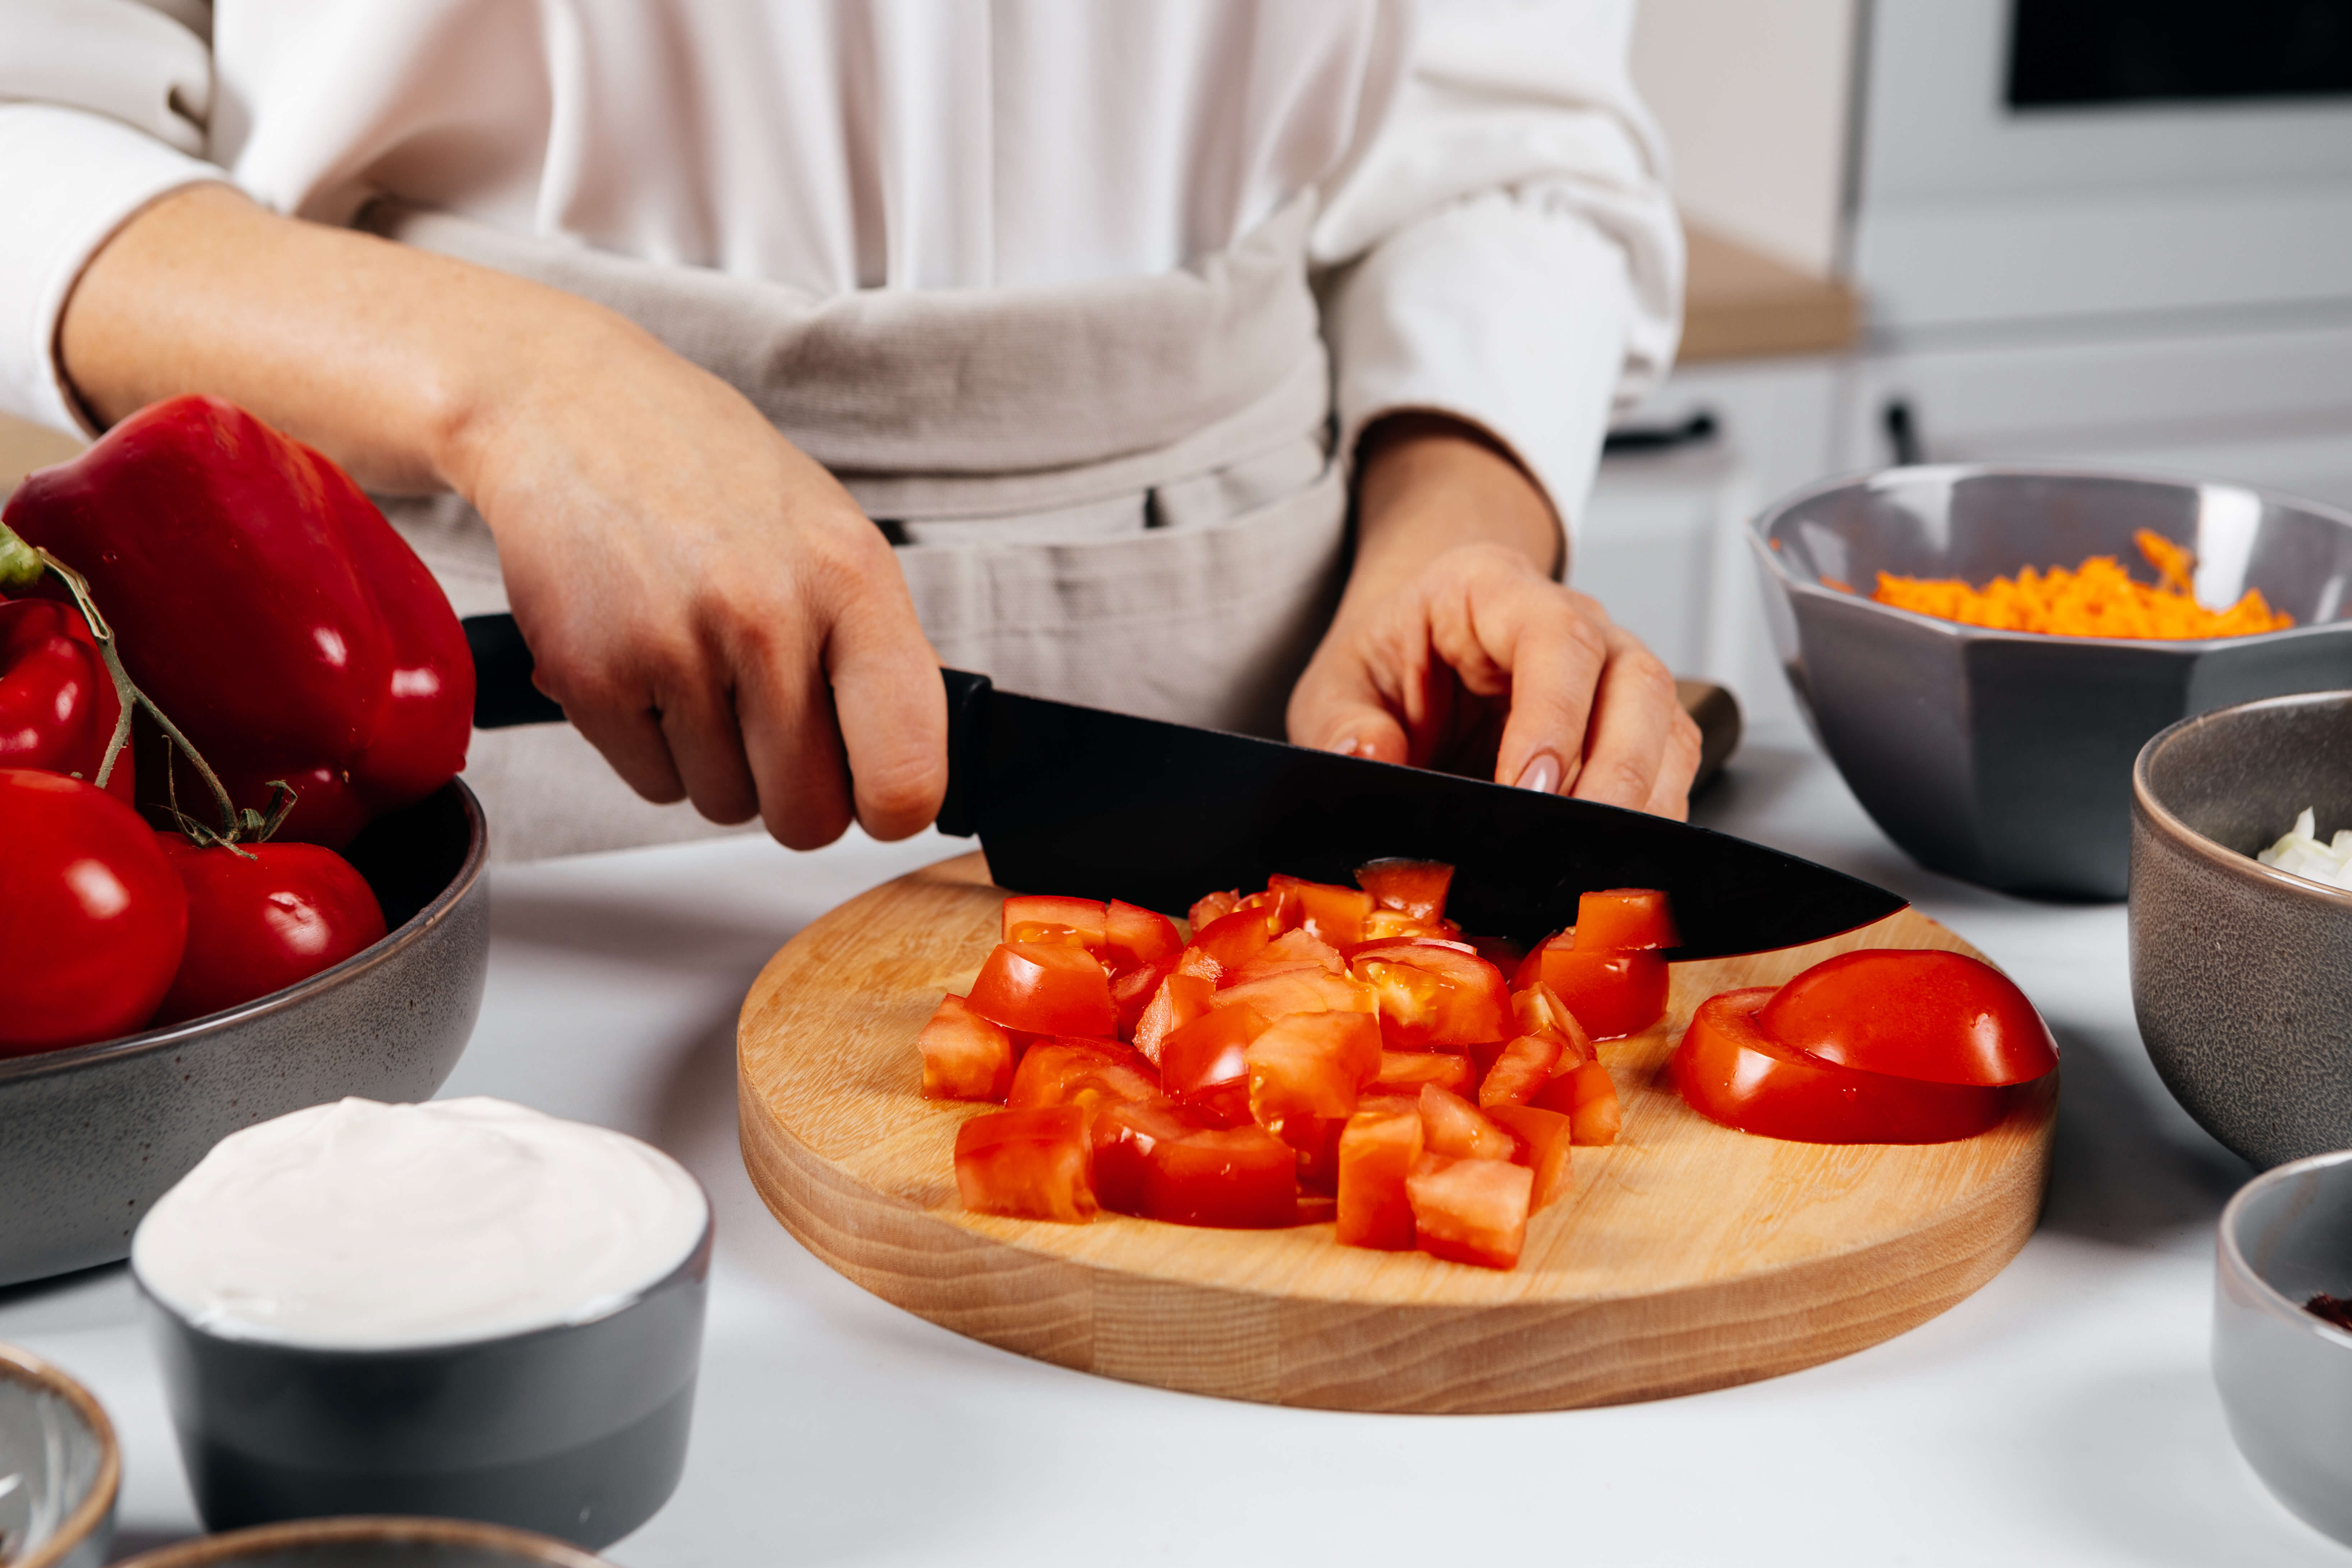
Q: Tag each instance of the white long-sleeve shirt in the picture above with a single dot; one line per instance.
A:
(1494, 239)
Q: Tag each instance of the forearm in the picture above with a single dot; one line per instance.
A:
(1427, 483)
(395, 363)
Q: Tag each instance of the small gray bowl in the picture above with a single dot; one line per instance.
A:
(60, 1467)
(371, 1543)
(2238, 972)
(90, 1137)
(2005, 758)
(577, 1431)
(2285, 1376)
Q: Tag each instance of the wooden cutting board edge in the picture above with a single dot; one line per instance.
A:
(1219, 1338)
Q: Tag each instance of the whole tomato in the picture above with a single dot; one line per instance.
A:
(260, 917)
(57, 706)
(92, 919)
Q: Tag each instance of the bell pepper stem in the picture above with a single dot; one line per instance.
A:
(20, 566)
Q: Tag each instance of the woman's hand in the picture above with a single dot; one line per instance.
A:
(1454, 647)
(706, 602)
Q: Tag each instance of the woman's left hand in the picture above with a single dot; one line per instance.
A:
(1453, 646)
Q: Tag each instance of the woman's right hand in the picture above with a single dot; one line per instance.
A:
(706, 602)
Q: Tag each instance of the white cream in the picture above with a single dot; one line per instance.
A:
(366, 1227)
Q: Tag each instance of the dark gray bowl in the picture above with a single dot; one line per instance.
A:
(371, 1543)
(89, 1137)
(60, 1467)
(2002, 757)
(577, 1432)
(2238, 972)
(2285, 1376)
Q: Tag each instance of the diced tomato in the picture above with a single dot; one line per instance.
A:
(1524, 1066)
(1333, 914)
(1944, 1017)
(1403, 1072)
(1205, 1062)
(1291, 951)
(1624, 920)
(1047, 918)
(1227, 943)
(1731, 1071)
(1613, 995)
(1539, 1011)
(1045, 989)
(1378, 1150)
(1084, 1073)
(1166, 1162)
(1301, 990)
(965, 1057)
(1395, 925)
(1436, 993)
(1181, 999)
(1414, 888)
(1031, 1164)
(1458, 1129)
(1278, 905)
(1131, 991)
(1310, 1064)
(1132, 936)
(1544, 1138)
(1470, 1211)
(1587, 1096)
(1213, 907)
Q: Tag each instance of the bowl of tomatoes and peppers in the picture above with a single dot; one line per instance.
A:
(192, 948)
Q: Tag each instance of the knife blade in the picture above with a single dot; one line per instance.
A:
(1081, 801)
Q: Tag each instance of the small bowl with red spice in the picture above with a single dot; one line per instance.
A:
(2283, 1334)
(2003, 754)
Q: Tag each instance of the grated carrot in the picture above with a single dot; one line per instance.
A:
(2096, 599)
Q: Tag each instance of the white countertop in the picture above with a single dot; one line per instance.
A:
(2062, 1414)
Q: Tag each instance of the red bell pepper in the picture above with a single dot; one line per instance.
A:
(261, 600)
(57, 704)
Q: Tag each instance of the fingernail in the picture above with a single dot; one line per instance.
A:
(1542, 774)
(1346, 746)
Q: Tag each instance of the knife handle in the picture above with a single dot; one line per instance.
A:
(967, 721)
(1716, 711)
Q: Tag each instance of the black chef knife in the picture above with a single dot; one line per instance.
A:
(1080, 801)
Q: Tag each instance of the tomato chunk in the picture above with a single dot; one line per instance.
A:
(1624, 920)
(1944, 1017)
(1403, 1072)
(1133, 936)
(1301, 990)
(1524, 1066)
(1227, 943)
(1539, 1011)
(1333, 914)
(1031, 1164)
(1544, 1139)
(1181, 999)
(1205, 1063)
(1458, 1129)
(1045, 989)
(1587, 1095)
(1413, 888)
(965, 1057)
(1086, 1073)
(1310, 1064)
(1212, 907)
(1131, 991)
(1731, 1071)
(1395, 925)
(1378, 1150)
(1047, 918)
(1613, 995)
(1470, 1211)
(1289, 954)
(1435, 994)
(1166, 1162)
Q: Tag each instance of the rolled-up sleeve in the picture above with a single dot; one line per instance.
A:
(103, 109)
(1506, 251)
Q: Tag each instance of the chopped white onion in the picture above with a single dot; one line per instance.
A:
(2306, 855)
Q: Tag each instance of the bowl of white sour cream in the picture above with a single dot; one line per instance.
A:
(464, 1309)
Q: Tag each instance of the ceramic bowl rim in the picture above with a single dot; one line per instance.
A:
(40, 1064)
(699, 1255)
(236, 1546)
(2233, 1257)
(1759, 530)
(2245, 869)
(23, 1366)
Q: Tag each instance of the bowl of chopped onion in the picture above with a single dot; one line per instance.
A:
(2242, 921)
(1982, 650)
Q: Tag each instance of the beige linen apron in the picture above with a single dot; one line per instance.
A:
(1119, 493)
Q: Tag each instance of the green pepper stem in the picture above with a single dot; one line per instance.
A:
(20, 567)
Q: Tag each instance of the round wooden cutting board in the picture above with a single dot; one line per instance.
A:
(1688, 1256)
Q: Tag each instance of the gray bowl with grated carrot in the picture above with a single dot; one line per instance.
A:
(2099, 609)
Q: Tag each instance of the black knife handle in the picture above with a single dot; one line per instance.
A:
(967, 735)
(503, 694)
